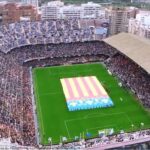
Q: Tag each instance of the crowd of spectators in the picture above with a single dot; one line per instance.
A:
(65, 61)
(22, 47)
(15, 102)
(16, 117)
(43, 32)
(132, 76)
(62, 50)
(105, 142)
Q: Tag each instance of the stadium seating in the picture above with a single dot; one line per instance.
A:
(43, 32)
(132, 76)
(16, 99)
(25, 45)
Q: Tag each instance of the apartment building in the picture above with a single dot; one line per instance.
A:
(57, 10)
(34, 3)
(70, 12)
(119, 18)
(13, 12)
(91, 10)
(140, 1)
(140, 25)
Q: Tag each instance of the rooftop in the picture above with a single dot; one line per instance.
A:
(134, 47)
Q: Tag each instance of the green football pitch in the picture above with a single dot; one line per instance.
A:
(56, 121)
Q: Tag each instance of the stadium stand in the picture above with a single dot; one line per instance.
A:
(16, 104)
(133, 75)
(34, 44)
(31, 33)
(137, 49)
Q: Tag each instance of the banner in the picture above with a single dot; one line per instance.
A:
(106, 132)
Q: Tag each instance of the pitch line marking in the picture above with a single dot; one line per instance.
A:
(65, 121)
(95, 116)
(39, 115)
(129, 119)
(71, 72)
(67, 129)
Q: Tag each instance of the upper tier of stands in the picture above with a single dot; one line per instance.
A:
(43, 32)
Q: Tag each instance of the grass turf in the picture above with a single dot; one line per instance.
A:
(56, 121)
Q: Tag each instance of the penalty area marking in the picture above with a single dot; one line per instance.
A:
(67, 129)
(70, 120)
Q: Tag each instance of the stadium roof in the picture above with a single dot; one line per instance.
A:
(134, 47)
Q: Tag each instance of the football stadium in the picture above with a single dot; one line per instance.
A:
(95, 112)
(63, 89)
